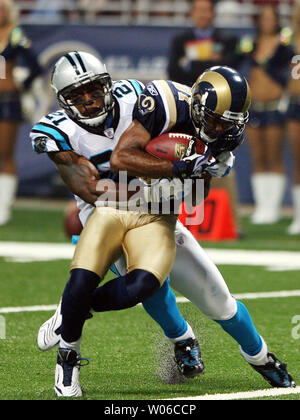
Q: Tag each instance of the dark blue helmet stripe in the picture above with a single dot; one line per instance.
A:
(239, 95)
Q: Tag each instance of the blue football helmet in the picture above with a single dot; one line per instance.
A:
(219, 103)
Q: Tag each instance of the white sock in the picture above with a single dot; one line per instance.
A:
(260, 358)
(188, 334)
(296, 202)
(8, 189)
(75, 345)
(268, 191)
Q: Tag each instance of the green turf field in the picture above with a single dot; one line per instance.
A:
(129, 357)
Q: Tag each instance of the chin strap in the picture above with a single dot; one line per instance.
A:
(205, 137)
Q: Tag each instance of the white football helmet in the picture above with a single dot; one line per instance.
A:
(74, 74)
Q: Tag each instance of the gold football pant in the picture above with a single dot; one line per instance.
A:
(148, 242)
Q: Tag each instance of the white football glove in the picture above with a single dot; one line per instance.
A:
(193, 166)
(166, 189)
(223, 165)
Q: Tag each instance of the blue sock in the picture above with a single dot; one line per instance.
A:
(124, 291)
(162, 307)
(242, 329)
(76, 302)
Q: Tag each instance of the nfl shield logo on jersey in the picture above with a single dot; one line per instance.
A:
(109, 132)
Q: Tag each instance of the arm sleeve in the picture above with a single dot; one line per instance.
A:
(149, 110)
(46, 138)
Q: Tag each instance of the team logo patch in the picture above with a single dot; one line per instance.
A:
(146, 104)
(179, 240)
(152, 89)
(40, 144)
(109, 132)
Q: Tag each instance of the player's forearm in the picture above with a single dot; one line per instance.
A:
(78, 174)
(139, 163)
(83, 180)
(79, 182)
(129, 155)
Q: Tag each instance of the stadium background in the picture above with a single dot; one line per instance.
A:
(128, 362)
(133, 39)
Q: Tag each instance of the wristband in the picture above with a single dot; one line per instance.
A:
(180, 169)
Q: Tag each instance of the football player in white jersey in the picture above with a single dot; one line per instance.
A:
(201, 283)
(79, 141)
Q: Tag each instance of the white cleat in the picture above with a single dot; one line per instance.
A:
(67, 373)
(49, 333)
(294, 228)
(265, 217)
(5, 217)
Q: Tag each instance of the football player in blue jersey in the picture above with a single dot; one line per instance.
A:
(216, 111)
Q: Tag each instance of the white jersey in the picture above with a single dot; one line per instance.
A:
(57, 132)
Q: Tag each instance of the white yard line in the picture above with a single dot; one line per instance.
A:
(263, 295)
(270, 260)
(37, 308)
(273, 392)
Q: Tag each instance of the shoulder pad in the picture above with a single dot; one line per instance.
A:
(58, 127)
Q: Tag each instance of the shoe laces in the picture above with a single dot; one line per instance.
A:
(83, 361)
(188, 350)
(77, 361)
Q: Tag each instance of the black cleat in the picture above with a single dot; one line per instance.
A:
(275, 372)
(188, 358)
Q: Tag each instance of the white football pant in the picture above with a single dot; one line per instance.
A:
(196, 277)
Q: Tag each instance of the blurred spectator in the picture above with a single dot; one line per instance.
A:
(113, 11)
(89, 9)
(293, 122)
(195, 50)
(200, 47)
(269, 56)
(55, 11)
(14, 45)
(228, 14)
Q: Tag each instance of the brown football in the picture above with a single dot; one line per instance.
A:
(72, 224)
(173, 146)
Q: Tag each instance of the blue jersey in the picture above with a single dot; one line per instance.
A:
(164, 106)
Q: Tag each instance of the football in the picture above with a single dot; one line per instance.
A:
(174, 146)
(72, 224)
